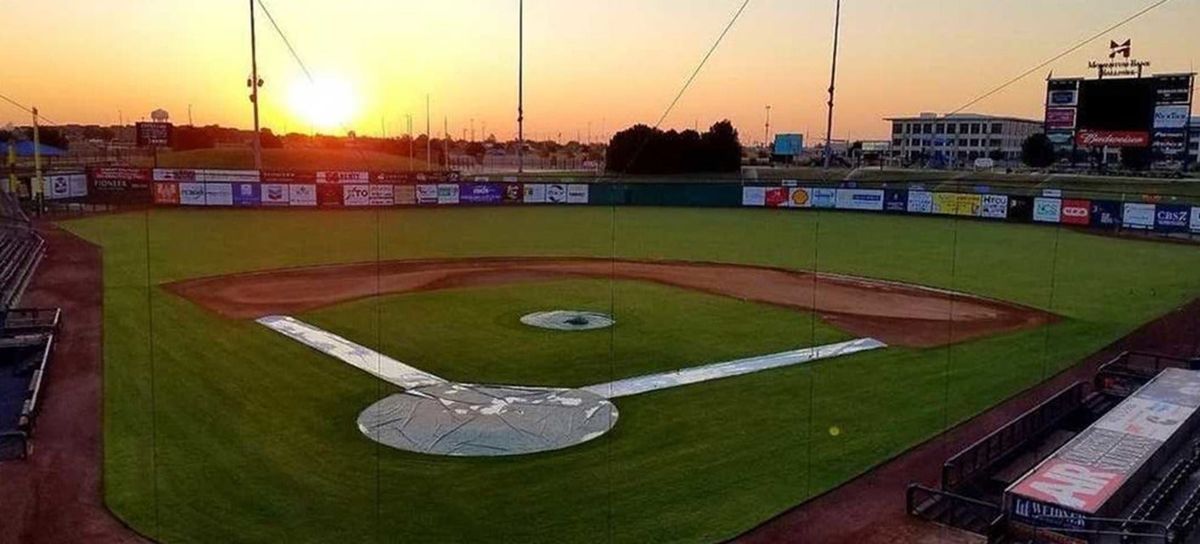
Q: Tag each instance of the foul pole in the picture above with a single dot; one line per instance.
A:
(837, 24)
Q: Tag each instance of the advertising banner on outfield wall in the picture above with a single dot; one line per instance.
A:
(1172, 218)
(341, 178)
(1106, 214)
(1020, 209)
(302, 195)
(993, 207)
(577, 193)
(480, 193)
(1195, 222)
(58, 187)
(191, 194)
(356, 196)
(535, 193)
(218, 194)
(119, 185)
(427, 195)
(1138, 216)
(777, 197)
(969, 205)
(329, 196)
(247, 194)
(754, 196)
(79, 186)
(895, 201)
(448, 194)
(945, 203)
(1047, 210)
(288, 177)
(274, 194)
(382, 195)
(824, 198)
(166, 194)
(799, 197)
(1077, 212)
(513, 193)
(391, 178)
(920, 202)
(860, 199)
(556, 193)
(406, 195)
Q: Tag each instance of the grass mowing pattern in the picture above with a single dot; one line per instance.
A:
(249, 449)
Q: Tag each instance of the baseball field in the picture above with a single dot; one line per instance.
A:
(218, 429)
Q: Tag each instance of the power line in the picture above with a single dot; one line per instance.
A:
(286, 41)
(703, 61)
(1073, 49)
(26, 109)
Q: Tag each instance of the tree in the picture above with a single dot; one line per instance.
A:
(1037, 151)
(476, 150)
(644, 150)
(270, 140)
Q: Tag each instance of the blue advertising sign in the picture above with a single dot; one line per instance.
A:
(824, 198)
(1106, 214)
(1172, 218)
(895, 200)
(789, 144)
(481, 193)
(247, 194)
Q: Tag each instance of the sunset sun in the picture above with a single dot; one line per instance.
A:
(325, 103)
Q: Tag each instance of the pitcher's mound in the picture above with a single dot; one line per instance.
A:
(568, 320)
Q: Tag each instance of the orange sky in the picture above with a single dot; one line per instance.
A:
(609, 63)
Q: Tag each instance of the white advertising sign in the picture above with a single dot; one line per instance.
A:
(191, 194)
(427, 194)
(1047, 210)
(233, 176)
(994, 207)
(343, 177)
(383, 195)
(860, 199)
(535, 193)
(175, 174)
(556, 193)
(800, 197)
(1195, 224)
(218, 194)
(356, 195)
(920, 202)
(577, 193)
(79, 186)
(447, 193)
(274, 194)
(754, 196)
(59, 187)
(302, 194)
(1171, 116)
(1139, 216)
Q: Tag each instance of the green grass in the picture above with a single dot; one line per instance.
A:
(242, 435)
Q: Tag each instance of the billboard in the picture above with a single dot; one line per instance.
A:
(302, 195)
(556, 193)
(1138, 216)
(754, 196)
(777, 197)
(166, 194)
(789, 145)
(339, 178)
(1172, 116)
(920, 202)
(274, 194)
(895, 200)
(191, 194)
(427, 195)
(1112, 138)
(405, 195)
(1077, 212)
(218, 194)
(994, 207)
(480, 193)
(513, 193)
(1047, 210)
(824, 198)
(1172, 218)
(1106, 214)
(1060, 118)
(577, 193)
(356, 195)
(535, 193)
(247, 194)
(1194, 225)
(945, 203)
(382, 195)
(860, 199)
(1114, 106)
(447, 194)
(63, 186)
(154, 134)
(968, 205)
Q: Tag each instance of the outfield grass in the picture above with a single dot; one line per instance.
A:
(253, 439)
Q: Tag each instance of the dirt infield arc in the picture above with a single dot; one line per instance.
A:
(898, 314)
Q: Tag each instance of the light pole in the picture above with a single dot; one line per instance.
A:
(767, 131)
(837, 23)
(521, 86)
(254, 84)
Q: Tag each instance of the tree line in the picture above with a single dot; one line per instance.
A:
(646, 150)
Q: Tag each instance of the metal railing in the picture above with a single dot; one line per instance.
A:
(920, 501)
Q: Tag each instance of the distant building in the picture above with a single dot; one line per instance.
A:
(957, 140)
(1194, 141)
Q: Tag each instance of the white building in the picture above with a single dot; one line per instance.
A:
(957, 140)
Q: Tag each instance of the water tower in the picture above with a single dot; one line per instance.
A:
(160, 116)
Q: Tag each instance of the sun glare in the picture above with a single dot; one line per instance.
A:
(325, 103)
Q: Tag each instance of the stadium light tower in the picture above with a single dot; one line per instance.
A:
(520, 86)
(254, 83)
(837, 23)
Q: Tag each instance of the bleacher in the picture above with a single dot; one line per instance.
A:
(26, 336)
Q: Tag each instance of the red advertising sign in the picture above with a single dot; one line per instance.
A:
(1070, 485)
(166, 194)
(1076, 212)
(329, 196)
(1112, 138)
(1060, 118)
(777, 196)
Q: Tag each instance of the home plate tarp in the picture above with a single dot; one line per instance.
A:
(439, 417)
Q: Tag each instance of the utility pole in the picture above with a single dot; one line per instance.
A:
(767, 132)
(428, 136)
(446, 142)
(37, 163)
(837, 25)
(190, 123)
(521, 87)
(411, 153)
(254, 84)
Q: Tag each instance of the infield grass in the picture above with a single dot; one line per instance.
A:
(218, 430)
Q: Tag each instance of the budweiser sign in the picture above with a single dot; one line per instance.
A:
(1107, 138)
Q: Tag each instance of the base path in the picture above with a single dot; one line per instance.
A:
(897, 314)
(57, 494)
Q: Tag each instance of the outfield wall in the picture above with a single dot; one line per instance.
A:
(361, 189)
